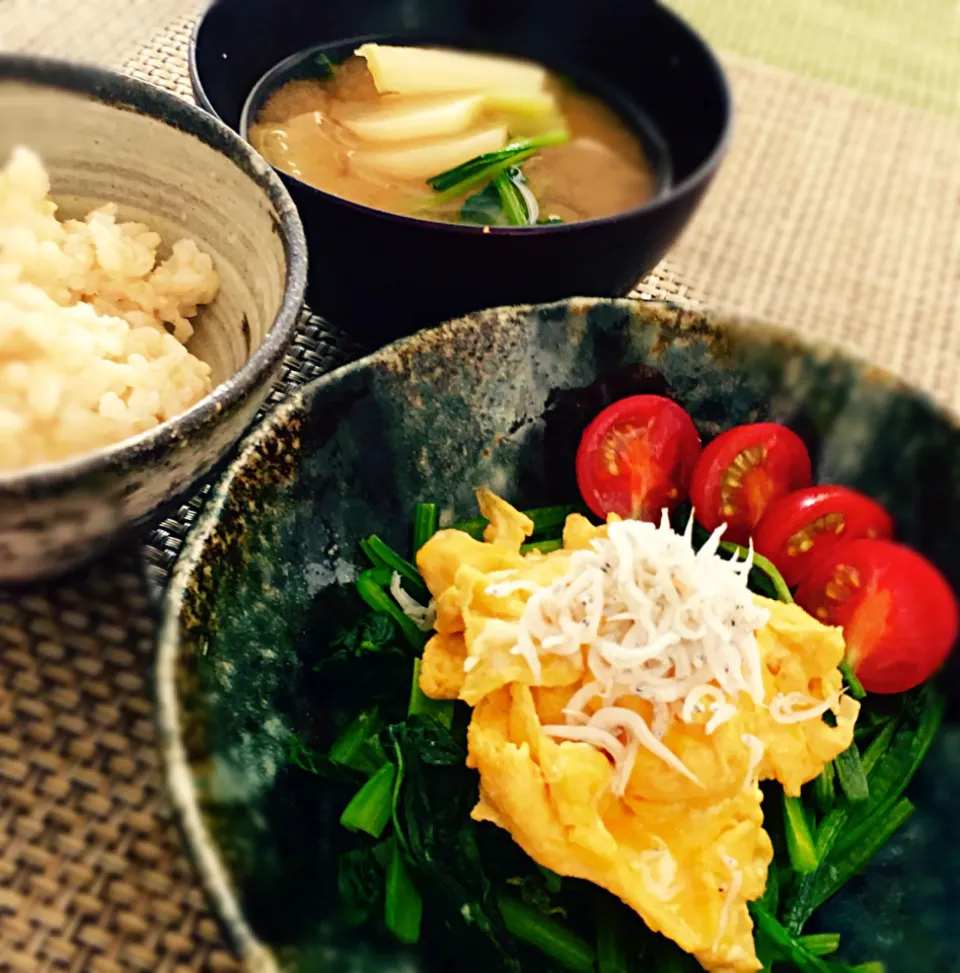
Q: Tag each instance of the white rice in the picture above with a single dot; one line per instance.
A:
(92, 326)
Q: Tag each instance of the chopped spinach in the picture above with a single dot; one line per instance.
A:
(360, 880)
(435, 794)
(372, 646)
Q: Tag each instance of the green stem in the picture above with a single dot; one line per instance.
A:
(843, 867)
(790, 948)
(853, 684)
(473, 179)
(891, 776)
(542, 547)
(548, 935)
(800, 907)
(389, 557)
(371, 555)
(395, 795)
(800, 844)
(770, 899)
(426, 517)
(453, 182)
(613, 953)
(512, 203)
(878, 747)
(403, 907)
(821, 944)
(765, 566)
(831, 828)
(824, 791)
(372, 592)
(356, 747)
(370, 809)
(544, 519)
(851, 775)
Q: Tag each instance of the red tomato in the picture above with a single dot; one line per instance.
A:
(899, 615)
(801, 526)
(742, 471)
(636, 458)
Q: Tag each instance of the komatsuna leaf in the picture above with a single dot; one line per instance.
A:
(434, 796)
(483, 208)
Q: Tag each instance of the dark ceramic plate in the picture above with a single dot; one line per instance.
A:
(499, 399)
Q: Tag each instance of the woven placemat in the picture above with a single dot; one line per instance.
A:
(837, 213)
(92, 876)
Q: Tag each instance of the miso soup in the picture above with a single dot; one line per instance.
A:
(456, 137)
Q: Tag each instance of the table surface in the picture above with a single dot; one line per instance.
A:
(837, 214)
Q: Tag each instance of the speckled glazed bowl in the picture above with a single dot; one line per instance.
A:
(106, 138)
(499, 399)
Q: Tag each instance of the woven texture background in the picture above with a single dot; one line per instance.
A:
(838, 213)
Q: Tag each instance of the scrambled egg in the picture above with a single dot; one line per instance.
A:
(686, 855)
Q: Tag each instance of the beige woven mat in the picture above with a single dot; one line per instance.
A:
(837, 213)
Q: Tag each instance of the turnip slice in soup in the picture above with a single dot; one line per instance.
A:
(422, 70)
(525, 104)
(426, 158)
(402, 118)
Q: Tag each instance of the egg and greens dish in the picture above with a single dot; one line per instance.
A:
(627, 696)
(616, 744)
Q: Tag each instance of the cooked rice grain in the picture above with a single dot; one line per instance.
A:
(92, 326)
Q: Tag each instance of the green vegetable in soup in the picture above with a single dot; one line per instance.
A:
(322, 67)
(483, 207)
(512, 200)
(506, 200)
(459, 179)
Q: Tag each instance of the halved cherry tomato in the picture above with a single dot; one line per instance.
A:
(742, 472)
(899, 616)
(636, 458)
(800, 526)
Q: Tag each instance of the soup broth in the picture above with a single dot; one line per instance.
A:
(345, 135)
